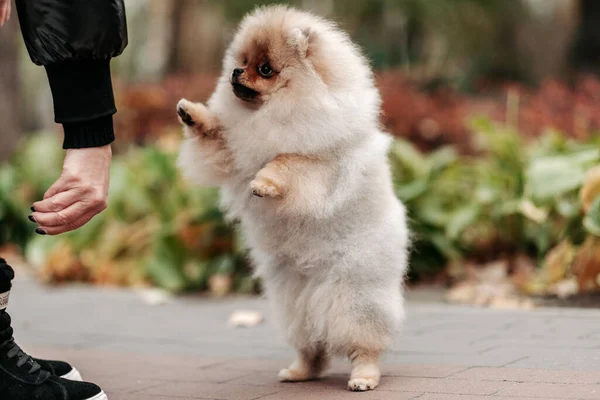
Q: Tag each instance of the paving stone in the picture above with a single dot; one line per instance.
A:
(450, 386)
(553, 391)
(124, 383)
(432, 396)
(259, 364)
(421, 371)
(185, 350)
(528, 375)
(211, 390)
(533, 341)
(270, 379)
(328, 394)
(133, 396)
(495, 359)
(550, 358)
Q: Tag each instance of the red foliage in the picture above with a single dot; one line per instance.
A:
(146, 110)
(573, 110)
(428, 118)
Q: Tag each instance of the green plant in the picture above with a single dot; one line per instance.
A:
(157, 229)
(512, 199)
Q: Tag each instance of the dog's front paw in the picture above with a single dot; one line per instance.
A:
(184, 115)
(198, 118)
(362, 384)
(186, 110)
(264, 186)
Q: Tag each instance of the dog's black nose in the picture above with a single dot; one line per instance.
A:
(237, 72)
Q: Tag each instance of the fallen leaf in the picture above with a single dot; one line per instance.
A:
(586, 265)
(463, 292)
(245, 319)
(494, 272)
(154, 296)
(220, 285)
(590, 188)
(565, 288)
(558, 261)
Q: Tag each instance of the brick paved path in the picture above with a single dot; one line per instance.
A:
(184, 349)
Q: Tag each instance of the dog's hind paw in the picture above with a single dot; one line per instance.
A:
(362, 384)
(263, 186)
(292, 375)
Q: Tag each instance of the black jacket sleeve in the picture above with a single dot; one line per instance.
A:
(75, 41)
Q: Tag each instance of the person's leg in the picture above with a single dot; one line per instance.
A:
(58, 368)
(23, 377)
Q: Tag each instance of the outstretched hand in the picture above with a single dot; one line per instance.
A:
(78, 195)
(4, 11)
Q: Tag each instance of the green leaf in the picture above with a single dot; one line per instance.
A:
(224, 265)
(412, 190)
(568, 208)
(461, 219)
(432, 212)
(510, 207)
(482, 124)
(166, 264)
(38, 249)
(445, 246)
(550, 177)
(196, 272)
(405, 156)
(245, 285)
(442, 158)
(166, 274)
(591, 222)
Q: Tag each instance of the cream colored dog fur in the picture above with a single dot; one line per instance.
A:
(293, 140)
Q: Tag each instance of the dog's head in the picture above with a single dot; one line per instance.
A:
(294, 70)
(274, 51)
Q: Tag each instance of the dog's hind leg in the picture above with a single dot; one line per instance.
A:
(365, 371)
(310, 364)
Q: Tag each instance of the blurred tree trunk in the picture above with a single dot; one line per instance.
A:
(546, 38)
(586, 49)
(9, 89)
(178, 13)
(199, 33)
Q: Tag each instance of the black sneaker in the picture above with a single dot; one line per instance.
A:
(22, 377)
(60, 369)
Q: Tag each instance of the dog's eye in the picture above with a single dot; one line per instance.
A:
(265, 70)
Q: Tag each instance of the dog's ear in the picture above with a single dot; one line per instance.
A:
(301, 39)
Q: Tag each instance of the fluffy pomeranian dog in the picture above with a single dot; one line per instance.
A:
(292, 137)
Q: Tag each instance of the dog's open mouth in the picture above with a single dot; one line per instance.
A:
(244, 92)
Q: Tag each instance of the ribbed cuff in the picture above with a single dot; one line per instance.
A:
(93, 133)
(83, 101)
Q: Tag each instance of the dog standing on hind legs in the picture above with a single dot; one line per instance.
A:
(292, 137)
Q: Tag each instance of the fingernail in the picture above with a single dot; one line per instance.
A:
(31, 218)
(40, 231)
(33, 208)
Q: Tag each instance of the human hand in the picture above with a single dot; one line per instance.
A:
(78, 195)
(4, 11)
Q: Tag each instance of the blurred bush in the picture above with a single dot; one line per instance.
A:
(156, 230)
(511, 201)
